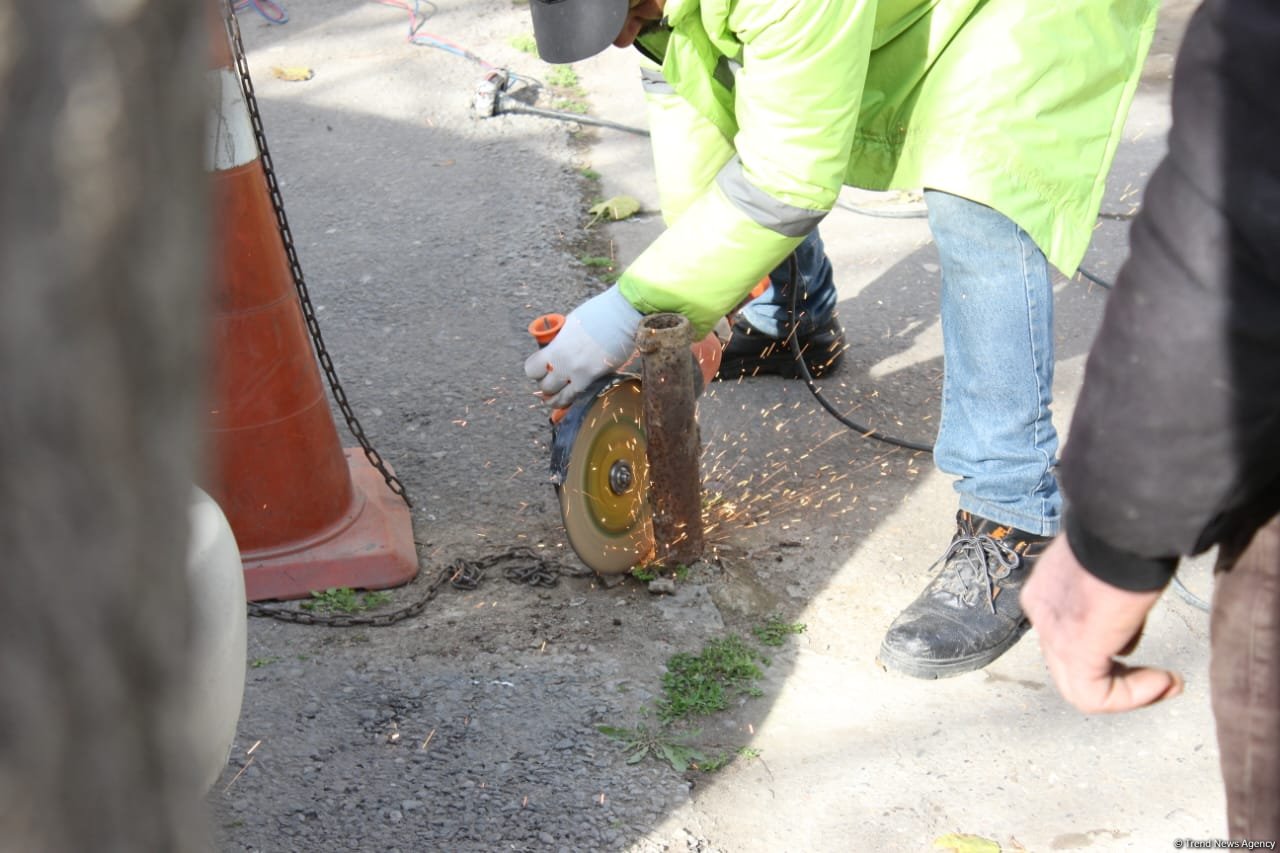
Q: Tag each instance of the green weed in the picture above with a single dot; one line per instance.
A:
(774, 631)
(572, 97)
(564, 77)
(344, 599)
(642, 742)
(697, 685)
(525, 44)
(652, 571)
(571, 105)
(606, 269)
(644, 574)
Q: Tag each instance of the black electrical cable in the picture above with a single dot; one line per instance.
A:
(1188, 596)
(888, 213)
(793, 337)
(1106, 285)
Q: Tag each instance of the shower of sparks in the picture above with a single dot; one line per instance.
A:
(247, 765)
(746, 490)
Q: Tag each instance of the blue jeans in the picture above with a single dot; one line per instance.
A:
(996, 434)
(768, 312)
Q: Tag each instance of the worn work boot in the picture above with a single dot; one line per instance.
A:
(970, 614)
(751, 352)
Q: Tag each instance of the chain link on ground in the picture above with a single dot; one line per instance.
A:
(521, 565)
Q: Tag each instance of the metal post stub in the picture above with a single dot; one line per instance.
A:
(668, 389)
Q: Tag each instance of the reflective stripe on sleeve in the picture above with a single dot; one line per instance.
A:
(655, 83)
(762, 208)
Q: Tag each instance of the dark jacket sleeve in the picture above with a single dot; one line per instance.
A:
(1175, 442)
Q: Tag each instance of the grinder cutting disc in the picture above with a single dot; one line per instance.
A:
(604, 497)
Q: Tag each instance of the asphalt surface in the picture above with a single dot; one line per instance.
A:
(429, 237)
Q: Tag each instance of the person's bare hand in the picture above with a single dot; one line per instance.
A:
(1084, 624)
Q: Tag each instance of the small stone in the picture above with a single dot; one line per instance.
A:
(662, 586)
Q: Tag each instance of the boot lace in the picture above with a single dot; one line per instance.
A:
(974, 562)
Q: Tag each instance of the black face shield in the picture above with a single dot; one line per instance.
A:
(570, 30)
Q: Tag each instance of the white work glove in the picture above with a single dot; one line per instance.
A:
(598, 336)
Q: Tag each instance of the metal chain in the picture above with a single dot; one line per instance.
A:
(308, 311)
(527, 567)
(350, 620)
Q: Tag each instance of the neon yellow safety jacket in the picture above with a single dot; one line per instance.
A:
(762, 109)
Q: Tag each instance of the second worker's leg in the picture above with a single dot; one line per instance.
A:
(760, 342)
(1244, 679)
(996, 437)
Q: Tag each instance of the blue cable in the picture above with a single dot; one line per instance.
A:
(281, 17)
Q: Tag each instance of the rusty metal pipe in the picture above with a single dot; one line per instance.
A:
(668, 390)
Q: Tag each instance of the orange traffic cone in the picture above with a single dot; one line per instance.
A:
(307, 514)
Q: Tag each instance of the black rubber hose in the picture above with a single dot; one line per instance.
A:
(793, 270)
